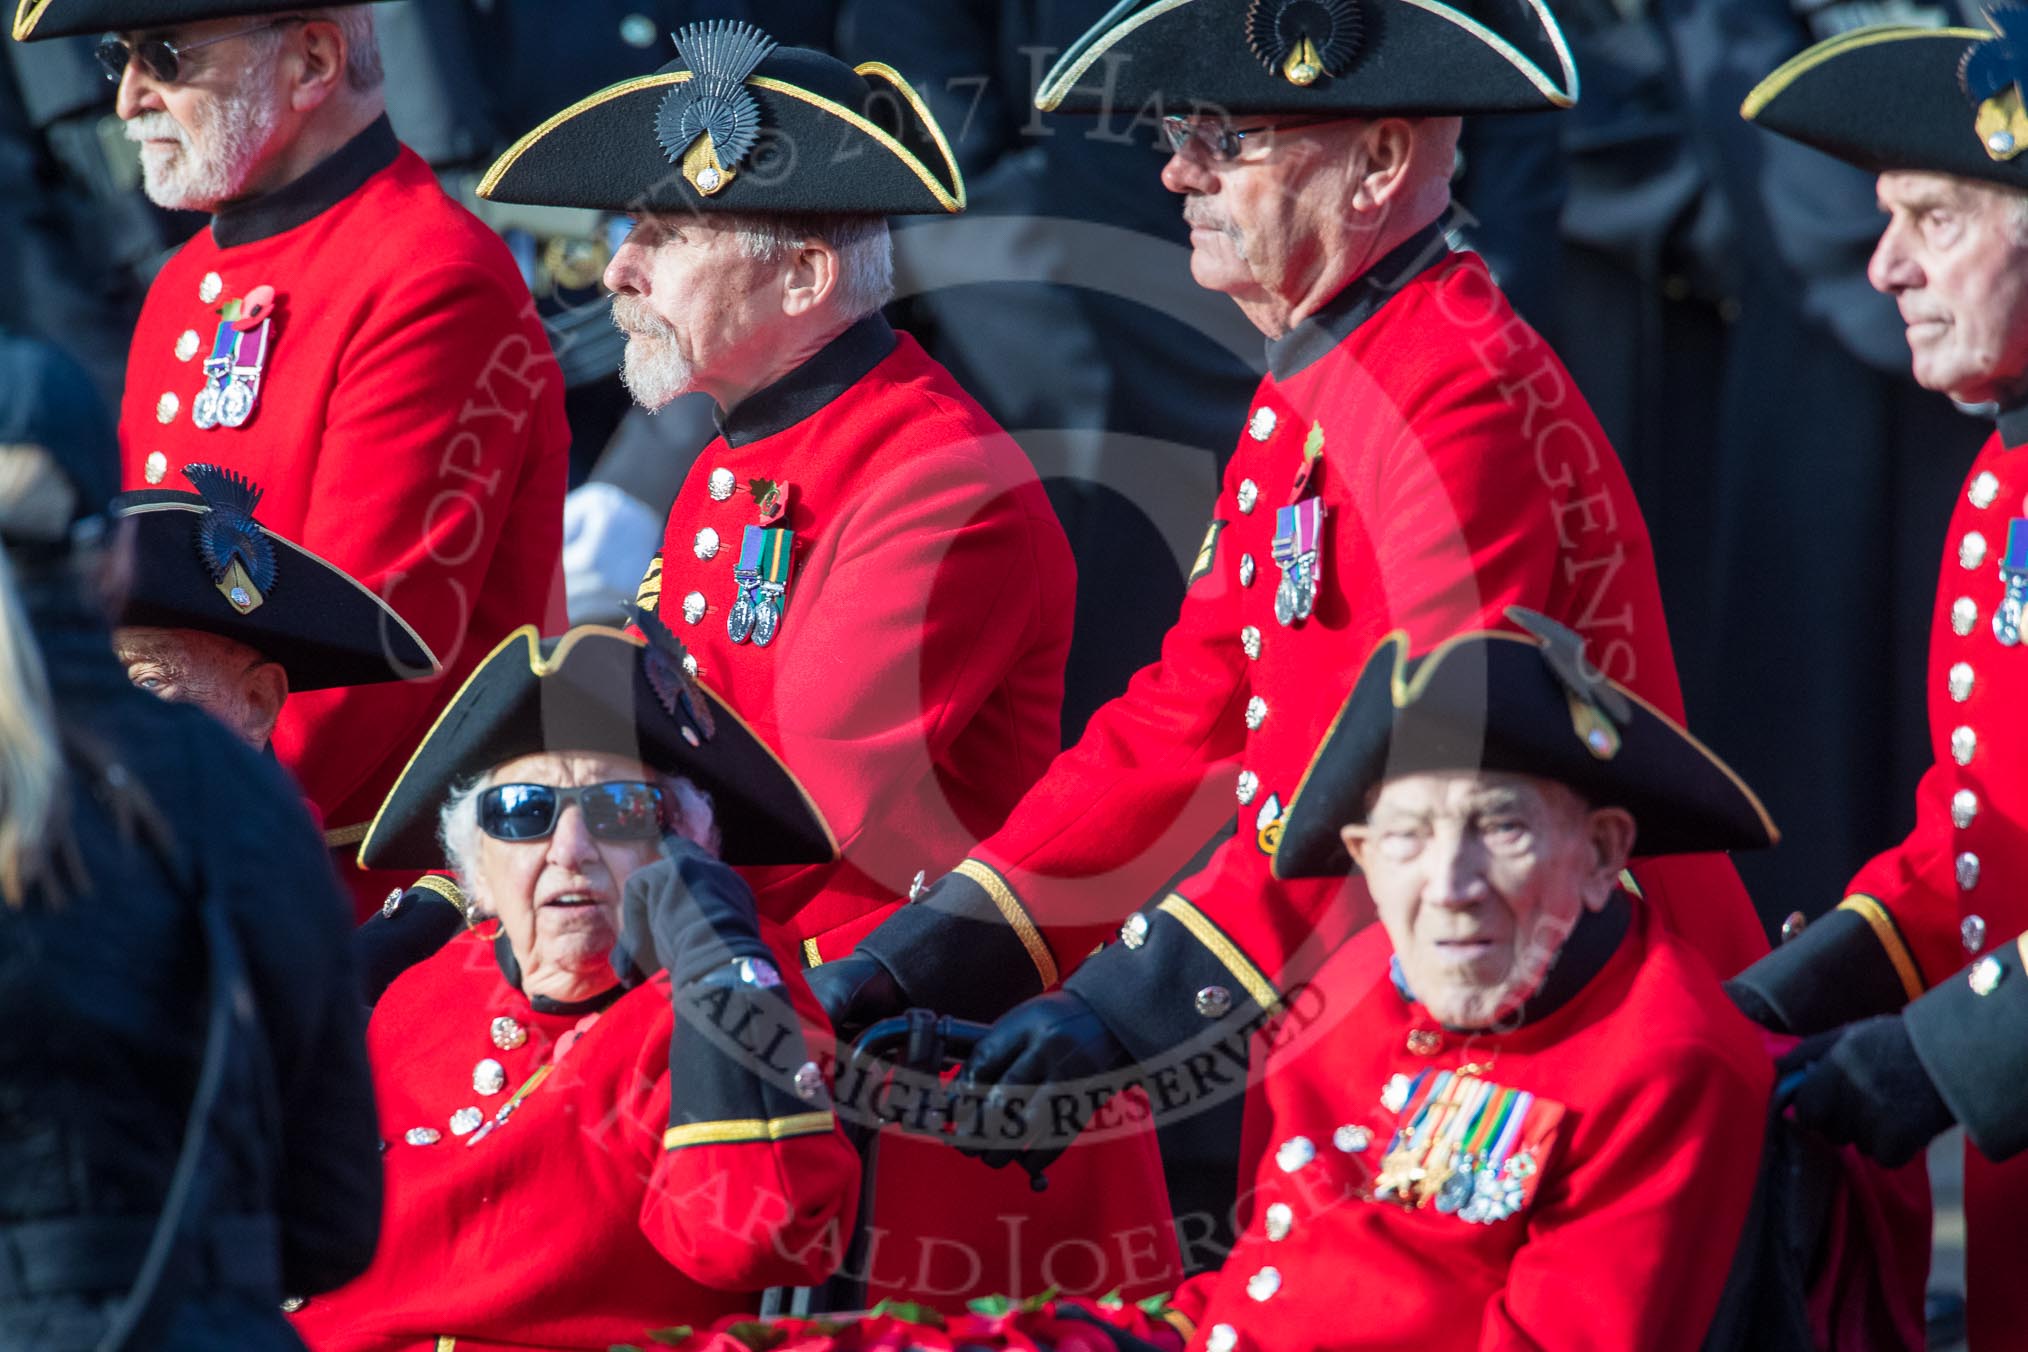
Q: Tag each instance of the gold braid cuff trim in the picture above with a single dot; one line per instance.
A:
(447, 1343)
(1888, 933)
(449, 891)
(747, 1129)
(1227, 952)
(811, 957)
(1016, 916)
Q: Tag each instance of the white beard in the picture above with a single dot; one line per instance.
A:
(211, 163)
(654, 370)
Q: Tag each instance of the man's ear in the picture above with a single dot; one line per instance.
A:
(313, 63)
(266, 690)
(1390, 160)
(1609, 832)
(812, 278)
(1355, 837)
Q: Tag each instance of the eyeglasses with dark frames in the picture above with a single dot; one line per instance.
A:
(615, 810)
(162, 59)
(1221, 141)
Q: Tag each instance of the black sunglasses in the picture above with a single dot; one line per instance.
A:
(618, 810)
(162, 59)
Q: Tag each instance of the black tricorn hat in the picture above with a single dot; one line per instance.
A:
(1947, 100)
(600, 689)
(1352, 58)
(37, 19)
(736, 123)
(201, 561)
(1526, 703)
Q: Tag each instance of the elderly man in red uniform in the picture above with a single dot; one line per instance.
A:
(1417, 458)
(1521, 1113)
(862, 563)
(1937, 113)
(342, 334)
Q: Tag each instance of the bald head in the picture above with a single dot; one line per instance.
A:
(223, 677)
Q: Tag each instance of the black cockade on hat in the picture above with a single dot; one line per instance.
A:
(1304, 40)
(228, 535)
(709, 124)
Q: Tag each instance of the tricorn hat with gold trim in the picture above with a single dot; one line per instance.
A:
(1526, 703)
(38, 19)
(736, 123)
(1349, 58)
(201, 561)
(599, 689)
(1948, 100)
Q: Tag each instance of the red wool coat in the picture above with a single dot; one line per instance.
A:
(914, 688)
(1461, 473)
(574, 1223)
(1957, 887)
(409, 429)
(1639, 1201)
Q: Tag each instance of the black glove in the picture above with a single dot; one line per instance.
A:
(1864, 1085)
(687, 912)
(1044, 1070)
(856, 991)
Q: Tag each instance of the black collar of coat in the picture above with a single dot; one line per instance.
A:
(510, 968)
(333, 179)
(1314, 338)
(836, 368)
(2013, 424)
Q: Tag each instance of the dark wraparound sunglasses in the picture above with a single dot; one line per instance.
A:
(162, 59)
(618, 810)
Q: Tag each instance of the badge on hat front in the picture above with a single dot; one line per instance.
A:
(2014, 573)
(1303, 40)
(235, 550)
(1993, 75)
(708, 124)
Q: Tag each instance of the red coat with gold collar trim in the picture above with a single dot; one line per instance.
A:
(409, 428)
(1639, 1197)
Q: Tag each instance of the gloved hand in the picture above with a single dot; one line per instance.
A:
(856, 991)
(1046, 1067)
(686, 912)
(1864, 1085)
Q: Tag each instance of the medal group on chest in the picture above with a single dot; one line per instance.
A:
(762, 570)
(232, 371)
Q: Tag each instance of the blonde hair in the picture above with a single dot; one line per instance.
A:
(31, 759)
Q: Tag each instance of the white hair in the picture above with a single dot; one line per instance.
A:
(864, 247)
(692, 813)
(363, 70)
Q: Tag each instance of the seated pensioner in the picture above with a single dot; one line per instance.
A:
(1518, 1112)
(600, 1114)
